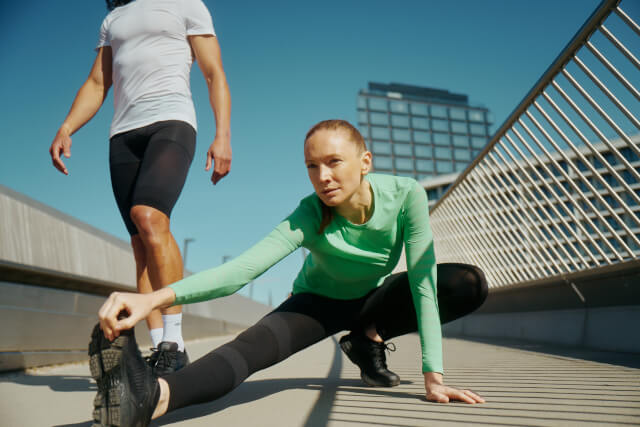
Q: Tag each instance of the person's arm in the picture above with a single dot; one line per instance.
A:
(86, 104)
(297, 229)
(207, 52)
(421, 268)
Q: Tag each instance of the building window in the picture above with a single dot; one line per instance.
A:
(400, 135)
(476, 116)
(460, 154)
(362, 102)
(423, 151)
(444, 166)
(381, 147)
(457, 113)
(459, 127)
(443, 152)
(460, 141)
(364, 131)
(378, 104)
(628, 154)
(424, 165)
(380, 119)
(441, 138)
(423, 137)
(404, 164)
(478, 129)
(438, 111)
(400, 121)
(461, 166)
(477, 142)
(382, 162)
(399, 107)
(402, 150)
(380, 133)
(420, 123)
(362, 117)
(419, 109)
(432, 194)
(441, 125)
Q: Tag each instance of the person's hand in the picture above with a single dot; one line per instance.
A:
(136, 307)
(61, 144)
(436, 391)
(220, 153)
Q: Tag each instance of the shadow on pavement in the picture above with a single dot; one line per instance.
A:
(81, 424)
(254, 390)
(64, 383)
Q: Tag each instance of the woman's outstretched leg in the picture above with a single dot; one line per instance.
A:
(128, 393)
(300, 321)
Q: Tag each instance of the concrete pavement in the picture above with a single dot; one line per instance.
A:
(528, 385)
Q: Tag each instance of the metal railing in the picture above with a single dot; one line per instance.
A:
(557, 189)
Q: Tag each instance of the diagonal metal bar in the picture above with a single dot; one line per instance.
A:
(502, 214)
(548, 202)
(487, 243)
(618, 75)
(588, 184)
(630, 22)
(621, 47)
(530, 232)
(607, 92)
(597, 155)
(575, 187)
(542, 182)
(531, 206)
(599, 133)
(505, 248)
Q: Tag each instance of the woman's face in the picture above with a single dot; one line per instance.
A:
(334, 165)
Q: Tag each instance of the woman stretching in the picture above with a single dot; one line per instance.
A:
(354, 225)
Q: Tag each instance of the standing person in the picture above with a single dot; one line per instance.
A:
(354, 226)
(146, 49)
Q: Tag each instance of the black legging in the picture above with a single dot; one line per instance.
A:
(304, 319)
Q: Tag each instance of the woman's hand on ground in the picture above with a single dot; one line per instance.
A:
(135, 308)
(436, 391)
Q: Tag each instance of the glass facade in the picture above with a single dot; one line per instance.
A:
(420, 132)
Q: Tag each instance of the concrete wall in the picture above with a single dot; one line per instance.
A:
(34, 234)
(603, 328)
(56, 271)
(596, 310)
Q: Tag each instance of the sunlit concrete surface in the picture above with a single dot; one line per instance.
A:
(530, 385)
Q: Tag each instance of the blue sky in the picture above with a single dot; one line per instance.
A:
(289, 65)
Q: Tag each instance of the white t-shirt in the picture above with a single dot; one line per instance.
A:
(152, 60)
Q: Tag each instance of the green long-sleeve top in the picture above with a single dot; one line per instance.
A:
(347, 260)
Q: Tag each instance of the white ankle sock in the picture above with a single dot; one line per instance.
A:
(173, 329)
(156, 336)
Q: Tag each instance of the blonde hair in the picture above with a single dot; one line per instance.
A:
(354, 136)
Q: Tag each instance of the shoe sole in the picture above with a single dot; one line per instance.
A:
(104, 357)
(346, 348)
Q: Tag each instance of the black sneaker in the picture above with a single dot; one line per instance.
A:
(127, 390)
(370, 358)
(167, 359)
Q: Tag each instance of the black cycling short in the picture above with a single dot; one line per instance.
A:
(149, 166)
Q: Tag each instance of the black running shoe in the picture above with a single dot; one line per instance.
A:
(167, 359)
(370, 358)
(127, 390)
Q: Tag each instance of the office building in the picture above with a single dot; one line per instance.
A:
(421, 132)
